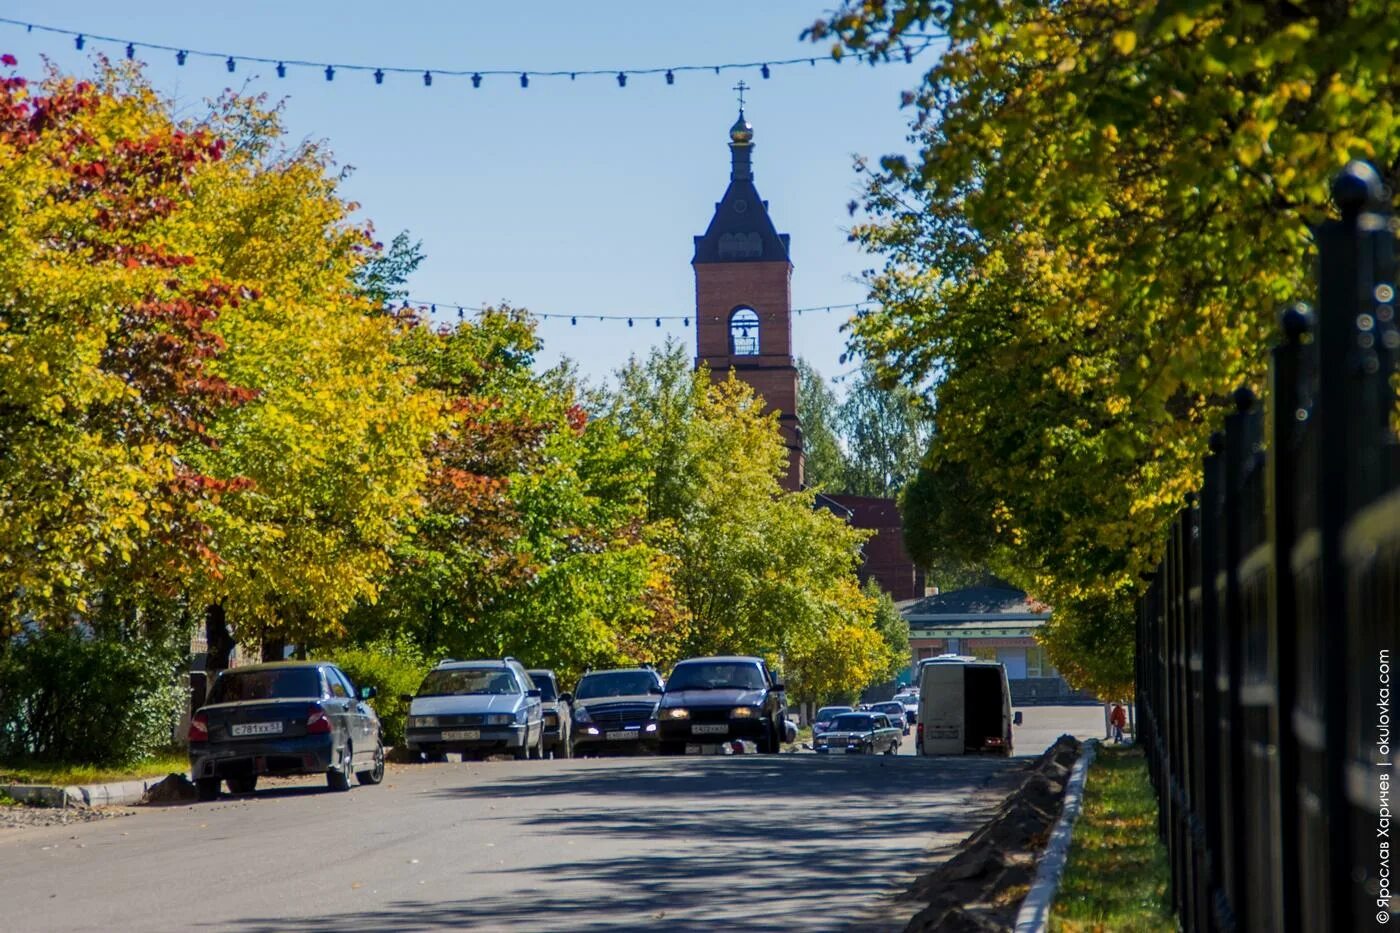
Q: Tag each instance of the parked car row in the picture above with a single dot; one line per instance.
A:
(306, 717)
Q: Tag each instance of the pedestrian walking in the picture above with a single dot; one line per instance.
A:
(1119, 720)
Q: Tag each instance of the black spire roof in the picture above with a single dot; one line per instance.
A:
(741, 230)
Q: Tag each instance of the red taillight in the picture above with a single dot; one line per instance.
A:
(199, 728)
(919, 737)
(317, 723)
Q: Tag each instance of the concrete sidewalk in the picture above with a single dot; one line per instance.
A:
(122, 793)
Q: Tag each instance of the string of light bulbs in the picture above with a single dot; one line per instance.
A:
(130, 47)
(431, 308)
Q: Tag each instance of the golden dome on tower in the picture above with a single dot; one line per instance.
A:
(741, 133)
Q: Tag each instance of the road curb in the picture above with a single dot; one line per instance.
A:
(121, 793)
(1035, 909)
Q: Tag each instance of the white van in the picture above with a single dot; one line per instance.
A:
(964, 707)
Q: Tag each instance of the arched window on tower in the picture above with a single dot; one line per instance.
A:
(743, 332)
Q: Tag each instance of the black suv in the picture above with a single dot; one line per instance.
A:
(718, 700)
(615, 711)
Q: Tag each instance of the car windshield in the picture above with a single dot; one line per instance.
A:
(827, 712)
(546, 685)
(614, 684)
(468, 680)
(853, 722)
(712, 675)
(236, 686)
(889, 708)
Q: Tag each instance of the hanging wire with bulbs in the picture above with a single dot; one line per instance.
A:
(765, 68)
(431, 308)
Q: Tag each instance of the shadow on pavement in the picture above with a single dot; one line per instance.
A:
(806, 847)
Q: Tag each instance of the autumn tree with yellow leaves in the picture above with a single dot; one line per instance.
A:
(1109, 202)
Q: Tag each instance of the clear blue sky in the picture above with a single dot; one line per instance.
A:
(566, 197)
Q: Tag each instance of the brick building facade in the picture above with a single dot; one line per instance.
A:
(886, 560)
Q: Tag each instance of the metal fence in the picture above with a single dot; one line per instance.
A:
(1264, 638)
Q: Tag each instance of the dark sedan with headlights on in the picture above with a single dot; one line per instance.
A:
(284, 718)
(860, 734)
(615, 711)
(721, 700)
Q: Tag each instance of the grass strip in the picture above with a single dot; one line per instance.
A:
(1116, 877)
(66, 774)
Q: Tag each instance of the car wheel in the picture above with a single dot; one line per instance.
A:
(243, 785)
(375, 774)
(672, 748)
(775, 739)
(207, 788)
(565, 748)
(338, 777)
(521, 753)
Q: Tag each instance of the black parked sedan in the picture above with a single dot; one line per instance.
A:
(287, 718)
(860, 734)
(718, 700)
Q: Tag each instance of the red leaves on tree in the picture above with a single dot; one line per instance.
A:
(161, 346)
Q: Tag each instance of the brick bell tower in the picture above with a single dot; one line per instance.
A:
(743, 297)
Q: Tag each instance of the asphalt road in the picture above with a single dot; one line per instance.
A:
(789, 842)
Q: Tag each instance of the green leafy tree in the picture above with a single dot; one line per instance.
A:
(756, 569)
(529, 542)
(886, 428)
(1108, 203)
(893, 628)
(383, 276)
(826, 466)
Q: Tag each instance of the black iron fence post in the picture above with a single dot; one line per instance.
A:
(1265, 634)
(1290, 404)
(1370, 541)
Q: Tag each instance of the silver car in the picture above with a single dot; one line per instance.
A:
(894, 710)
(476, 707)
(822, 721)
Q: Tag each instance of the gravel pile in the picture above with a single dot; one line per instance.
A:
(980, 889)
(22, 817)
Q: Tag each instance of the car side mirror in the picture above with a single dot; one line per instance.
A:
(566, 698)
(655, 689)
(406, 697)
(368, 693)
(1016, 719)
(778, 687)
(534, 694)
